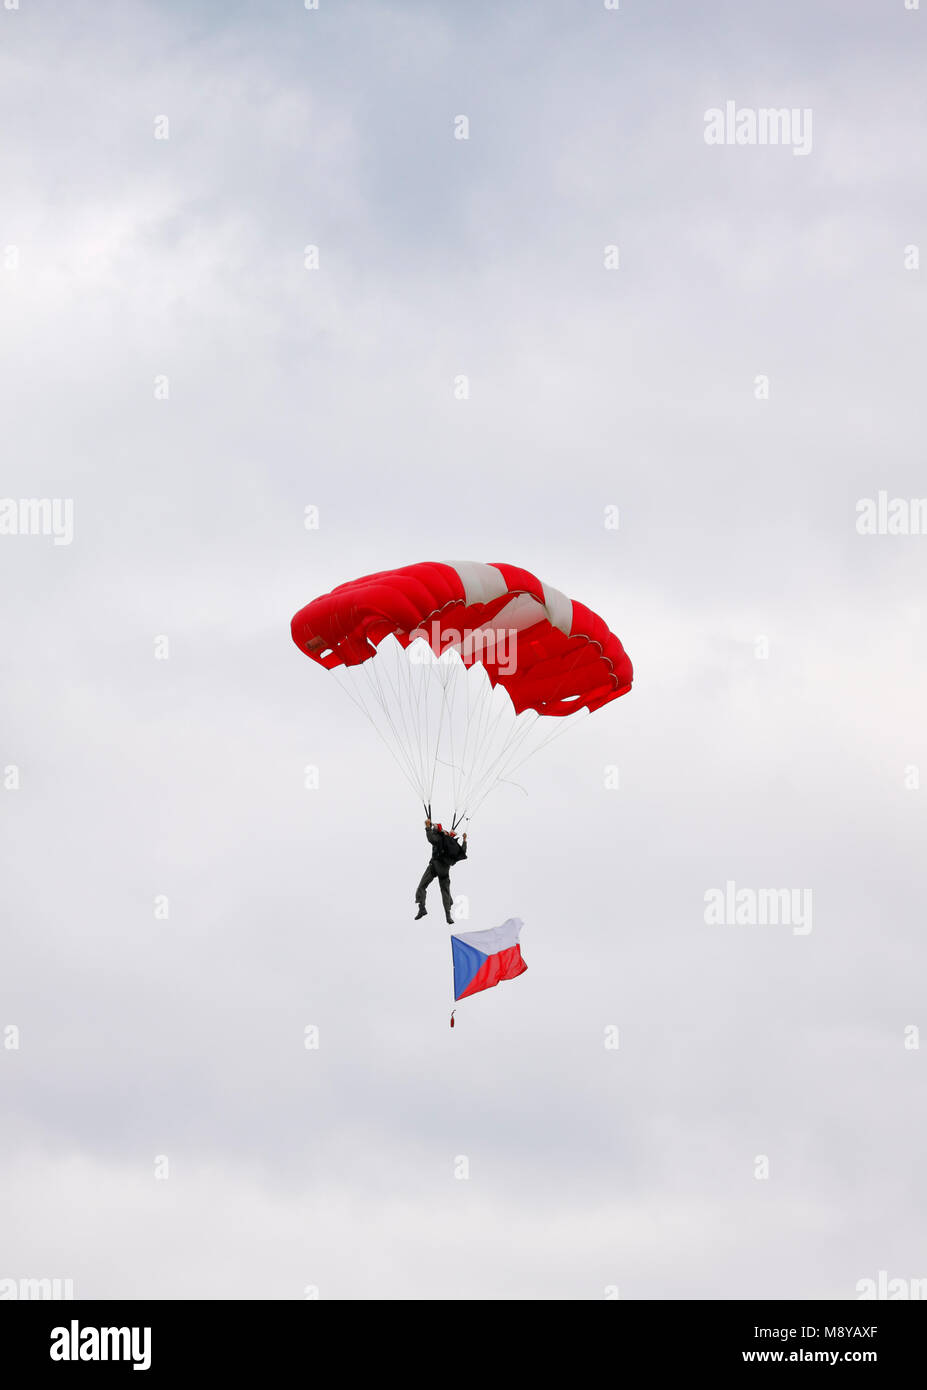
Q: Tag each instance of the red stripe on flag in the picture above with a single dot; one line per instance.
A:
(504, 965)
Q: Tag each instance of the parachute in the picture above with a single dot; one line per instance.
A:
(465, 669)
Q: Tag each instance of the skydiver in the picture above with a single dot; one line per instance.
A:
(445, 851)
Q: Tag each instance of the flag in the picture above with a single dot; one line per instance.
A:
(486, 958)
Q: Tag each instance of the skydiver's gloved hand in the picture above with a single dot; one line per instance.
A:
(427, 824)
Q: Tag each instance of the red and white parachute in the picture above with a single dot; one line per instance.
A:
(465, 669)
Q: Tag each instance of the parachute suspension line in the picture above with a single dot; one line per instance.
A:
(468, 684)
(561, 727)
(457, 676)
(405, 680)
(417, 739)
(432, 740)
(405, 744)
(425, 685)
(497, 773)
(513, 767)
(486, 729)
(396, 688)
(413, 744)
(515, 744)
(434, 765)
(453, 681)
(376, 693)
(385, 741)
(402, 699)
(422, 705)
(403, 741)
(418, 684)
(437, 742)
(500, 764)
(484, 762)
(485, 696)
(440, 672)
(473, 681)
(423, 726)
(505, 780)
(506, 763)
(448, 677)
(495, 704)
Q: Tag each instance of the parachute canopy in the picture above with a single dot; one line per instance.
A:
(462, 666)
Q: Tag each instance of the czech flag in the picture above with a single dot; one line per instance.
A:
(486, 958)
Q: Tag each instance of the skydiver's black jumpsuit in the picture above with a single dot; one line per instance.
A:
(445, 851)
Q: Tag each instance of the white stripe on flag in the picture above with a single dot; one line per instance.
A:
(495, 939)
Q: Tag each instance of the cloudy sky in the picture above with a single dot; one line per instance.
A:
(750, 372)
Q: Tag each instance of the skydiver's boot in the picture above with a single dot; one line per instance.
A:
(450, 920)
(422, 911)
